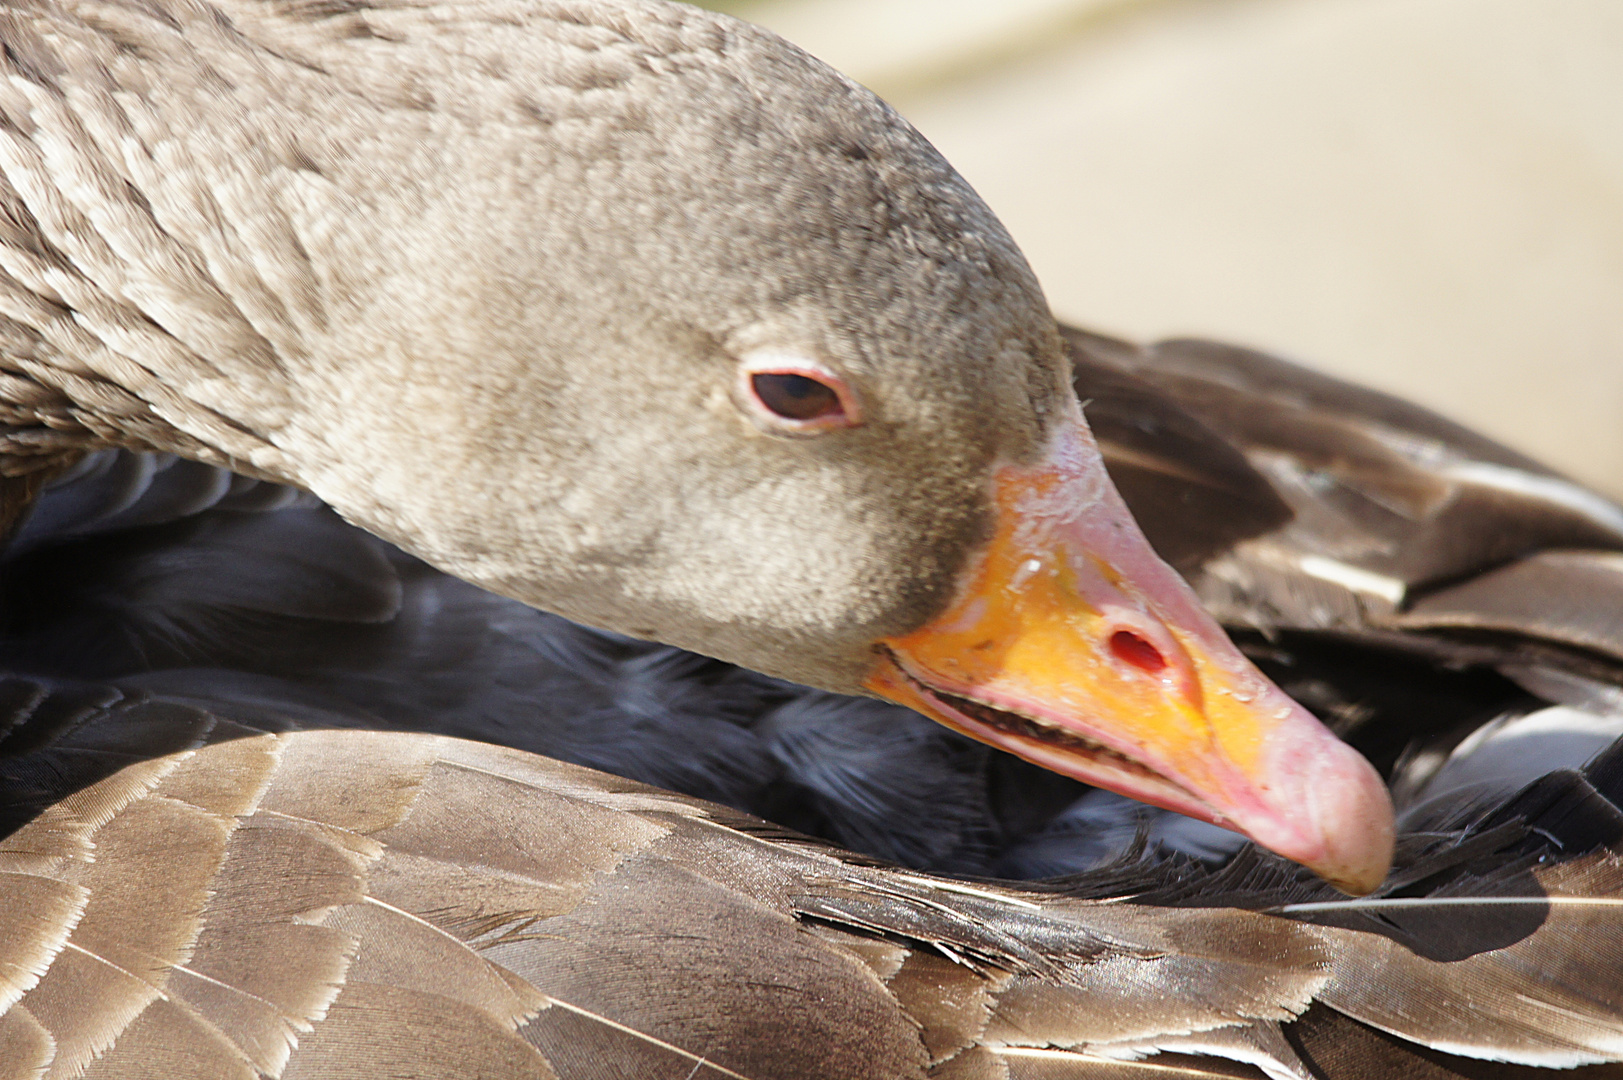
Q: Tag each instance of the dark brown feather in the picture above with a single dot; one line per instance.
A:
(1569, 598)
(1330, 478)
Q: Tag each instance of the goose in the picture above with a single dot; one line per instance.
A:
(874, 450)
(199, 681)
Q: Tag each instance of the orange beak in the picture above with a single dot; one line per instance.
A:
(1072, 645)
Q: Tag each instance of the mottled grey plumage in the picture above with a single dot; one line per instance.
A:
(470, 272)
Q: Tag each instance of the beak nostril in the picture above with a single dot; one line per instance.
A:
(1130, 648)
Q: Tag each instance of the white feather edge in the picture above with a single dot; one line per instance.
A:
(1396, 902)
(1551, 489)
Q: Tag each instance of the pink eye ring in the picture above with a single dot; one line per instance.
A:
(792, 395)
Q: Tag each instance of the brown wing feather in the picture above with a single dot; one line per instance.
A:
(1483, 1006)
(1567, 598)
(1355, 505)
(1190, 488)
(543, 920)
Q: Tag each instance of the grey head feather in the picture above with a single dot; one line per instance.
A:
(481, 277)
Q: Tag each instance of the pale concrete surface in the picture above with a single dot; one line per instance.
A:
(1425, 195)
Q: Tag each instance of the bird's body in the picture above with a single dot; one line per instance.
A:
(642, 316)
(162, 610)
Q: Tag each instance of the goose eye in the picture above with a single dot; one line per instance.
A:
(796, 397)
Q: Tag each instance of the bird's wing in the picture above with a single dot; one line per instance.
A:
(351, 903)
(1424, 589)
(1337, 507)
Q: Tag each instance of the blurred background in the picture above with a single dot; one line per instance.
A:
(1423, 195)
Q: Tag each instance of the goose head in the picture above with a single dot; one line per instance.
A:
(641, 315)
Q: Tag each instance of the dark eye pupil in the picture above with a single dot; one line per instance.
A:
(795, 397)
